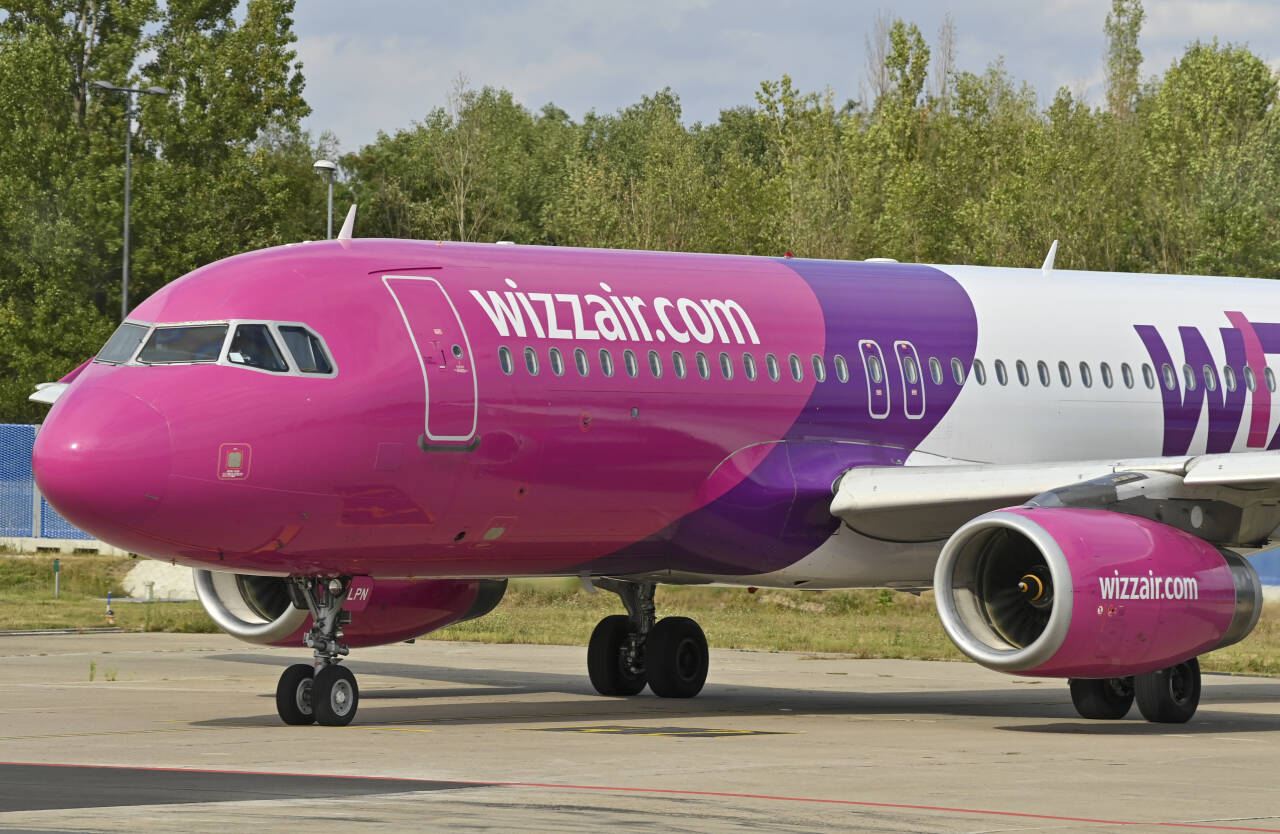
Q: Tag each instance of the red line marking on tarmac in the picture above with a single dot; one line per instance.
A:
(677, 792)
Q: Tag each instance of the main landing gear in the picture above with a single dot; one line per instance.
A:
(626, 652)
(322, 692)
(1168, 696)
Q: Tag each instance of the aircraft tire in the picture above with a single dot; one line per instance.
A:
(335, 696)
(1106, 699)
(293, 695)
(676, 658)
(1169, 696)
(604, 658)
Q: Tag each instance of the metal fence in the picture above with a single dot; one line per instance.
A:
(23, 512)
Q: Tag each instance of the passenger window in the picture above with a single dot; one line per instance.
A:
(1250, 380)
(184, 343)
(1064, 373)
(1210, 378)
(557, 362)
(726, 366)
(842, 368)
(910, 370)
(655, 364)
(1105, 370)
(504, 360)
(771, 363)
(1086, 375)
(819, 368)
(629, 362)
(1189, 376)
(531, 361)
(122, 344)
(253, 346)
(1126, 373)
(1002, 376)
(874, 369)
(1270, 376)
(957, 371)
(580, 359)
(1228, 378)
(307, 350)
(749, 366)
(677, 364)
(1170, 378)
(979, 372)
(606, 362)
(1023, 375)
(1148, 376)
(1042, 370)
(704, 369)
(797, 370)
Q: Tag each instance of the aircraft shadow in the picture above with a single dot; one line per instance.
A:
(722, 701)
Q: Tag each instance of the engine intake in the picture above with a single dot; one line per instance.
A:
(1089, 593)
(260, 609)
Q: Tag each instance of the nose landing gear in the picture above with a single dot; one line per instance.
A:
(324, 692)
(627, 652)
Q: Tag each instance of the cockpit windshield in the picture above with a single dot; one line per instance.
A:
(123, 343)
(307, 351)
(253, 346)
(277, 347)
(184, 343)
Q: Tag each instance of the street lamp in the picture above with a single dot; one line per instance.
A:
(132, 111)
(325, 168)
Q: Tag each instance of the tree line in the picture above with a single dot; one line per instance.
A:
(1175, 173)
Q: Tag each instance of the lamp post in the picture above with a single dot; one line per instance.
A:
(325, 168)
(132, 111)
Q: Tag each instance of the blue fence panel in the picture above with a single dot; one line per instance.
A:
(54, 526)
(17, 488)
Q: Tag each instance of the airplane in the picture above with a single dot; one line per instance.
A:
(355, 442)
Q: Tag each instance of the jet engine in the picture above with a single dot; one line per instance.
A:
(260, 609)
(1083, 593)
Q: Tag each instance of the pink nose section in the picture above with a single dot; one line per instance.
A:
(102, 460)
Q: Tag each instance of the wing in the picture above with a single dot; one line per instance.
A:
(1230, 499)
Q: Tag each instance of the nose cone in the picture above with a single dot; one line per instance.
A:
(102, 460)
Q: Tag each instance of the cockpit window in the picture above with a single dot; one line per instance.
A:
(308, 352)
(252, 345)
(184, 343)
(123, 343)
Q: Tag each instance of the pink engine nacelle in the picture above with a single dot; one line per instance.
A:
(259, 609)
(1066, 592)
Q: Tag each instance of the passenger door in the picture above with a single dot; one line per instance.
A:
(444, 355)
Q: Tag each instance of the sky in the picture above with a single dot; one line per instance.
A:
(382, 65)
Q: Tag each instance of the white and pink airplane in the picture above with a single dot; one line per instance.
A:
(356, 442)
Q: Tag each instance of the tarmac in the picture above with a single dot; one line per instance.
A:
(163, 732)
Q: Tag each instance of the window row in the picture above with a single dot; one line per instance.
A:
(251, 344)
(1207, 375)
(725, 364)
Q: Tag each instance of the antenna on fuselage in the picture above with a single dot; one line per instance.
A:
(349, 224)
(1045, 268)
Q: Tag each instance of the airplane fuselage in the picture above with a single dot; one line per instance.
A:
(522, 411)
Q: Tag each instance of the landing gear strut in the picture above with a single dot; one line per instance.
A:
(627, 652)
(324, 692)
(1168, 696)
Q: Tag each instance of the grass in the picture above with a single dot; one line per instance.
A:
(27, 601)
(557, 611)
